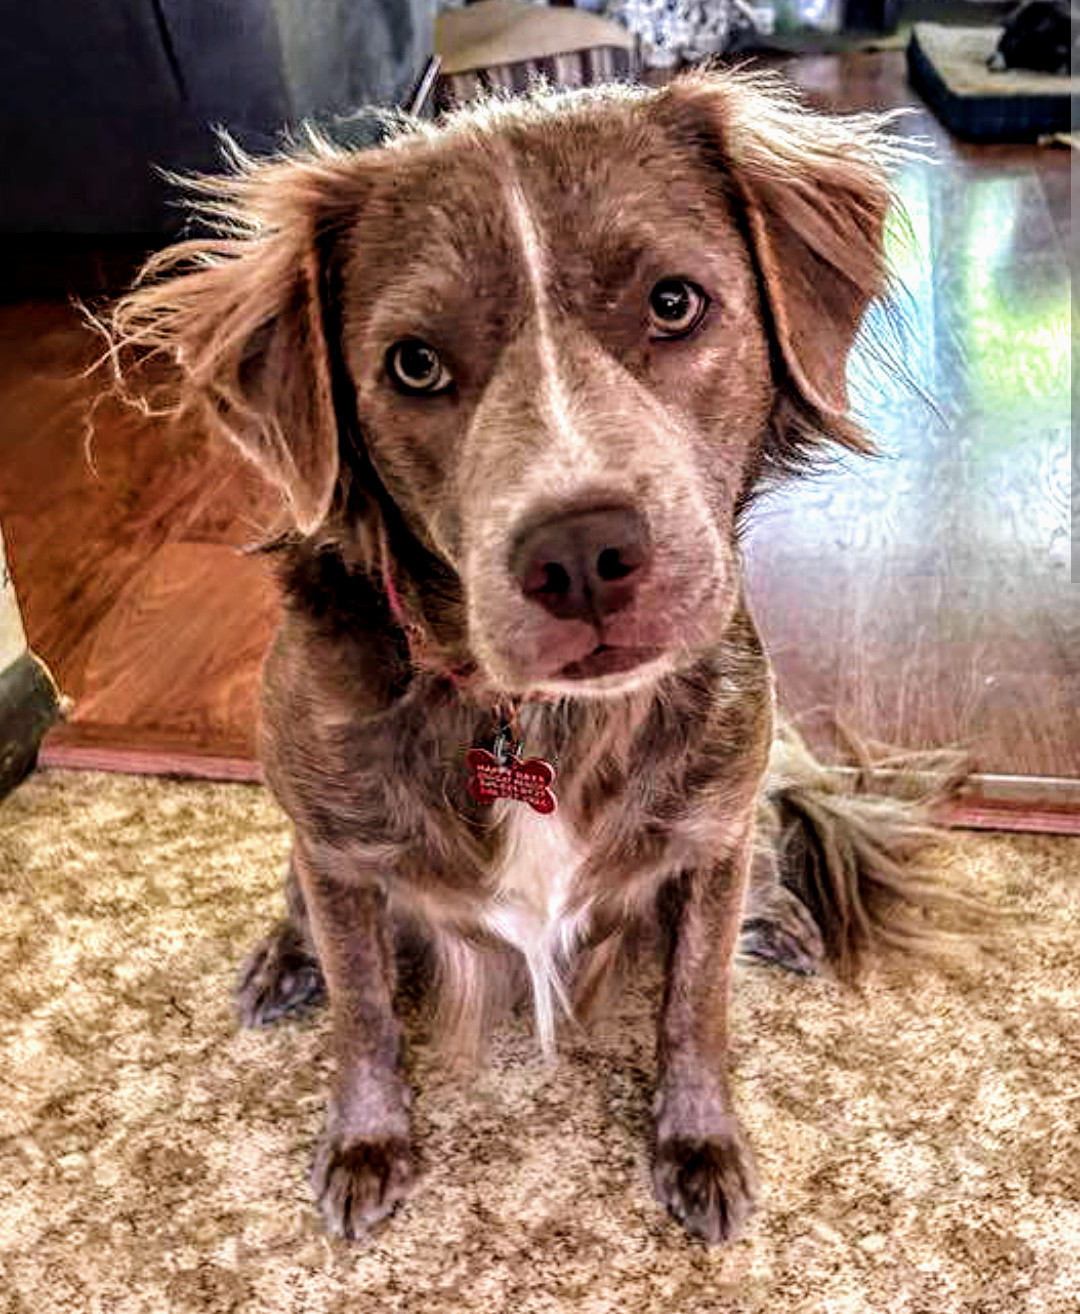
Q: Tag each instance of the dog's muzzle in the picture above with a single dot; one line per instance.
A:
(585, 566)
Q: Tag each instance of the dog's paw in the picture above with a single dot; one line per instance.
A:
(707, 1183)
(279, 978)
(781, 930)
(360, 1180)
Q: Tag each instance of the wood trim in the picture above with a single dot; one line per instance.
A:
(85, 746)
(138, 762)
(1046, 805)
(1024, 804)
(993, 790)
(1001, 817)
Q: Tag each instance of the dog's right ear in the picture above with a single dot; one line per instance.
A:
(243, 316)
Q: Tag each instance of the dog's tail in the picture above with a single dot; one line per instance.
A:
(858, 849)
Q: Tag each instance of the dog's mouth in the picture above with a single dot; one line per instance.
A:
(607, 659)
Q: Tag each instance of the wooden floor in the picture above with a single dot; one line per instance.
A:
(925, 599)
(922, 599)
(124, 540)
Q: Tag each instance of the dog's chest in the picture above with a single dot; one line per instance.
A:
(533, 906)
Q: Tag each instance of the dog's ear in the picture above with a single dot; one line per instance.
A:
(813, 192)
(243, 316)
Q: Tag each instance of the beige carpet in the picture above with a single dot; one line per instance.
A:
(919, 1149)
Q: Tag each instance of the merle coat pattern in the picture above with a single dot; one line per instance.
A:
(517, 376)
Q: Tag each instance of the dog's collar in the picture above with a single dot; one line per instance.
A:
(505, 706)
(503, 771)
(421, 656)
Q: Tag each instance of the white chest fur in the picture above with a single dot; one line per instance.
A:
(531, 910)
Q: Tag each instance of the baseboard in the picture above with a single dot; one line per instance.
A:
(1044, 805)
(1032, 804)
(86, 746)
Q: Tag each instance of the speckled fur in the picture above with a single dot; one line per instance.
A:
(521, 240)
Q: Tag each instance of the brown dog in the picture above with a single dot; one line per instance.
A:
(517, 376)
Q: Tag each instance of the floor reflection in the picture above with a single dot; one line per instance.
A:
(924, 598)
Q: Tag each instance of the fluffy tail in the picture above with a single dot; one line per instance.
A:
(859, 850)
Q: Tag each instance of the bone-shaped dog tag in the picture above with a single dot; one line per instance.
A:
(527, 781)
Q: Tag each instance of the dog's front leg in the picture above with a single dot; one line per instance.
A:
(364, 1165)
(703, 1169)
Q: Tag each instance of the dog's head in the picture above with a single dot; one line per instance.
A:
(547, 347)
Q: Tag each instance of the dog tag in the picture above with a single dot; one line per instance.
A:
(527, 781)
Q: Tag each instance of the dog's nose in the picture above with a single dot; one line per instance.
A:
(584, 566)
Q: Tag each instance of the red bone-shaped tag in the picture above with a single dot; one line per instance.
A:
(526, 782)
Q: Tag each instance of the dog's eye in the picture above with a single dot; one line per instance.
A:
(416, 367)
(676, 308)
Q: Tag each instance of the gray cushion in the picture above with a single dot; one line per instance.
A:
(96, 96)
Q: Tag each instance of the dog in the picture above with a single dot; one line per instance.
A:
(1040, 35)
(518, 376)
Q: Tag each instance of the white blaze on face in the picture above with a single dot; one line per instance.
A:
(554, 392)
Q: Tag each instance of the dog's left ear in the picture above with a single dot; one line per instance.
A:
(813, 192)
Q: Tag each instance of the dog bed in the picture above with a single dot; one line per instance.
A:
(947, 66)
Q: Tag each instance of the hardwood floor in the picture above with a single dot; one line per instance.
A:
(920, 599)
(124, 539)
(925, 598)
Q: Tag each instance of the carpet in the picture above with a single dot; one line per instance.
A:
(917, 1145)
